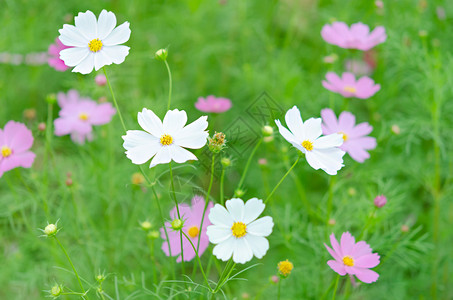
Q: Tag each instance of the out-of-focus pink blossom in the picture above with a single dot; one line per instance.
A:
(353, 258)
(348, 86)
(213, 104)
(191, 216)
(78, 115)
(356, 37)
(15, 141)
(54, 56)
(356, 141)
(380, 201)
(100, 80)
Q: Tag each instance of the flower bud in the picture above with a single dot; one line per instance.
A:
(100, 80)
(380, 201)
(51, 230)
(267, 130)
(56, 290)
(396, 129)
(217, 142)
(262, 161)
(404, 228)
(153, 234)
(352, 191)
(100, 278)
(177, 224)
(146, 225)
(138, 178)
(51, 98)
(161, 54)
(30, 113)
(69, 182)
(225, 161)
(332, 222)
(239, 193)
(284, 268)
(330, 59)
(274, 279)
(42, 126)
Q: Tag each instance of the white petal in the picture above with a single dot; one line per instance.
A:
(286, 133)
(235, 207)
(86, 65)
(312, 128)
(294, 122)
(141, 146)
(330, 160)
(106, 23)
(70, 36)
(148, 120)
(174, 121)
(87, 24)
(116, 54)
(181, 155)
(242, 252)
(101, 59)
(259, 244)
(163, 156)
(218, 234)
(219, 216)
(328, 141)
(118, 36)
(252, 209)
(73, 56)
(193, 136)
(224, 250)
(261, 227)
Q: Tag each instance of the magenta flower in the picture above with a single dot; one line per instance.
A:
(54, 56)
(15, 141)
(353, 258)
(191, 215)
(380, 201)
(356, 37)
(78, 115)
(347, 86)
(355, 139)
(213, 104)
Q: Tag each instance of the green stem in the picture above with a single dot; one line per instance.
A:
(179, 217)
(70, 262)
(335, 288)
(199, 261)
(114, 100)
(170, 84)
(278, 289)
(281, 180)
(247, 165)
(367, 224)
(221, 283)
(332, 181)
(222, 180)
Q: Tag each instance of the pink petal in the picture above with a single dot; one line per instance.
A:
(348, 79)
(347, 243)
(361, 248)
(365, 275)
(346, 122)
(360, 130)
(367, 261)
(333, 253)
(24, 160)
(336, 247)
(17, 136)
(102, 114)
(337, 267)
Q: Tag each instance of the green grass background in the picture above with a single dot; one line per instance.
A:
(235, 49)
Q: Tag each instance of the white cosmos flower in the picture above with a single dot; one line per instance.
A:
(95, 43)
(165, 141)
(237, 231)
(322, 152)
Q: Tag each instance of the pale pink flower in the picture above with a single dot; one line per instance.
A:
(355, 139)
(356, 37)
(353, 258)
(347, 85)
(100, 80)
(380, 201)
(15, 141)
(213, 104)
(358, 67)
(54, 56)
(191, 216)
(78, 115)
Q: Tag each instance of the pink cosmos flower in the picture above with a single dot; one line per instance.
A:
(353, 258)
(15, 141)
(213, 104)
(54, 56)
(78, 115)
(191, 215)
(347, 86)
(100, 80)
(356, 37)
(355, 138)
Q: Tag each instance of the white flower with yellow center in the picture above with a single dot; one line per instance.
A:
(321, 152)
(165, 141)
(94, 43)
(237, 231)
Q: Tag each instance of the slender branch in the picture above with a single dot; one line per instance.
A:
(114, 100)
(281, 180)
(170, 84)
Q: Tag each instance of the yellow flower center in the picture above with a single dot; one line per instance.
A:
(307, 145)
(239, 229)
(6, 151)
(350, 89)
(345, 136)
(83, 116)
(348, 261)
(95, 45)
(285, 267)
(166, 140)
(193, 231)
